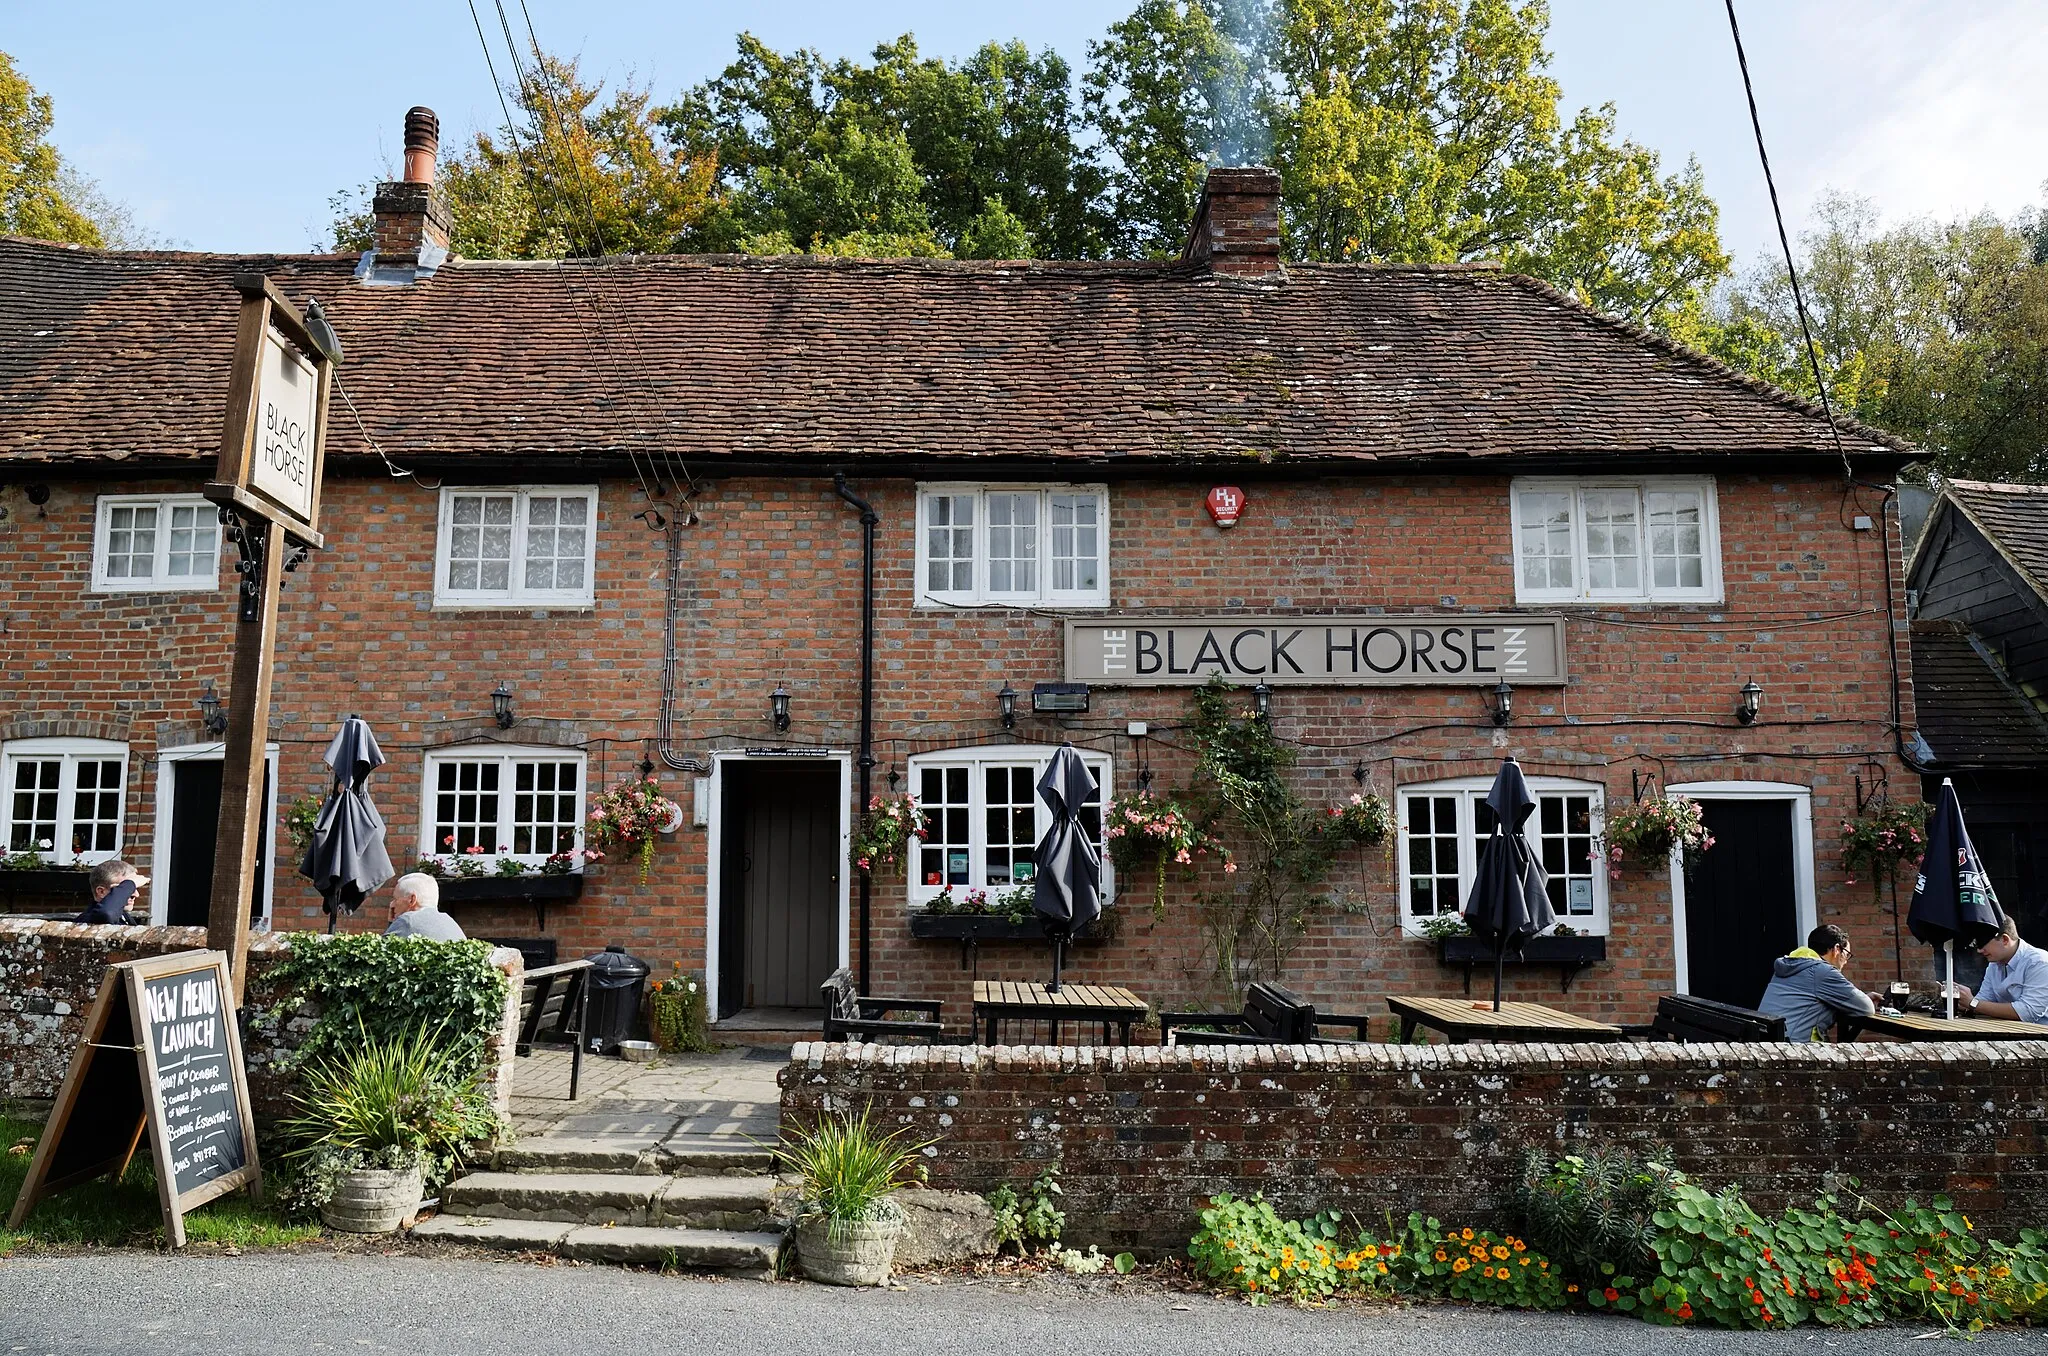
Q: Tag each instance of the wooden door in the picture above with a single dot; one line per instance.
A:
(789, 876)
(1741, 901)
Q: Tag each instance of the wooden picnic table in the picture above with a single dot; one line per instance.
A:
(995, 1000)
(1467, 1019)
(1922, 1026)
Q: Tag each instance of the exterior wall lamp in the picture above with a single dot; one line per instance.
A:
(501, 706)
(1749, 702)
(1262, 701)
(211, 711)
(1503, 702)
(778, 707)
(1006, 700)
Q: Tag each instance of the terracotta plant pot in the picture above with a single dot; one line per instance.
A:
(373, 1200)
(852, 1254)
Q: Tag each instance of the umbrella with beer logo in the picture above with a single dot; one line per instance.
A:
(1952, 900)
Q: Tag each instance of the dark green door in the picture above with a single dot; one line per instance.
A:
(1741, 901)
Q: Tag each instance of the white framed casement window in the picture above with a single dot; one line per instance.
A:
(983, 816)
(64, 798)
(516, 546)
(1443, 825)
(497, 800)
(155, 543)
(1012, 544)
(1609, 540)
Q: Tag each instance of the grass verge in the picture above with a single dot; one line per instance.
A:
(110, 1214)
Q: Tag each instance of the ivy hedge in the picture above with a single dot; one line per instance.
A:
(387, 988)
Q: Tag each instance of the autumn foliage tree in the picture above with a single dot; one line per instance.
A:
(33, 198)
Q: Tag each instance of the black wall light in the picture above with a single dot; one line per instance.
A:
(501, 706)
(1749, 701)
(1262, 701)
(1503, 702)
(211, 711)
(1006, 701)
(778, 706)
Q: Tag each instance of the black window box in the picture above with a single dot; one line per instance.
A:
(974, 927)
(45, 881)
(1569, 954)
(537, 890)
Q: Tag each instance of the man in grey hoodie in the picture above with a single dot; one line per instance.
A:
(1808, 987)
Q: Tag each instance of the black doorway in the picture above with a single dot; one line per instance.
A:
(195, 822)
(778, 892)
(1741, 901)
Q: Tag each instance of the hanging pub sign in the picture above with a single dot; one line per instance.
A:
(1226, 503)
(160, 1054)
(271, 447)
(1465, 650)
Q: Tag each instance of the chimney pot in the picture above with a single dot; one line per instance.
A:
(422, 144)
(1237, 222)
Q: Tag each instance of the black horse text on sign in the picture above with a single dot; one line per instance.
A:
(185, 1022)
(1330, 651)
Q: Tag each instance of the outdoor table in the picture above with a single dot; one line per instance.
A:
(995, 1000)
(1921, 1026)
(1465, 1019)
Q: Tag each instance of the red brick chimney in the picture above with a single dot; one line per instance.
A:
(412, 218)
(1237, 222)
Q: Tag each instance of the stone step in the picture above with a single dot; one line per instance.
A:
(706, 1202)
(748, 1254)
(685, 1156)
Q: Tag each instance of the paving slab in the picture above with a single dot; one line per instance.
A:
(696, 1248)
(513, 1235)
(581, 1198)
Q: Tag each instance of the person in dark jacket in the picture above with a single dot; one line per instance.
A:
(115, 886)
(1808, 987)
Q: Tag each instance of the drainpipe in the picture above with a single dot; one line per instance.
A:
(868, 519)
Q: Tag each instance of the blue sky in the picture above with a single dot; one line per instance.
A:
(227, 125)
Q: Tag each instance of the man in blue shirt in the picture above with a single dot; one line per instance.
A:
(2015, 980)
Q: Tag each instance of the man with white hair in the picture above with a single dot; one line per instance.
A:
(416, 912)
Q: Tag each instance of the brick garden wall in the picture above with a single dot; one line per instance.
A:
(50, 974)
(1140, 1137)
(771, 595)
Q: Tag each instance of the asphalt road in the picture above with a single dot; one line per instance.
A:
(311, 1302)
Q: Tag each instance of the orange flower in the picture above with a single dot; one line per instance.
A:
(1439, 1254)
(1461, 1265)
(1465, 1234)
(1500, 1254)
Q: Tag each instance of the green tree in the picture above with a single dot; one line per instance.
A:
(32, 174)
(1405, 131)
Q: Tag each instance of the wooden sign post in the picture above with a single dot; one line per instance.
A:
(272, 453)
(161, 1052)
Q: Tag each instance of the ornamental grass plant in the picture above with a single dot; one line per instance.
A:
(848, 1168)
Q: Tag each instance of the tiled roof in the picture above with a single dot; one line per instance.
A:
(113, 355)
(1969, 712)
(2014, 517)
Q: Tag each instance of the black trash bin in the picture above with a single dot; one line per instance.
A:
(618, 983)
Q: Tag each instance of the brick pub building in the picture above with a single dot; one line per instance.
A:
(608, 488)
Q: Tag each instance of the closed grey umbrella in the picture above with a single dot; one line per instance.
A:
(346, 859)
(1510, 900)
(1067, 869)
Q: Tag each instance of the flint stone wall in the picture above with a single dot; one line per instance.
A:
(1142, 1136)
(50, 974)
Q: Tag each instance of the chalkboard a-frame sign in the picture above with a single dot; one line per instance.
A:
(160, 1053)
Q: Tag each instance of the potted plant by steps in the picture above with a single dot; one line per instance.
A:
(375, 1123)
(846, 1221)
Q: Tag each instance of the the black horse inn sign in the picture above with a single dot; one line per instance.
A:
(1319, 651)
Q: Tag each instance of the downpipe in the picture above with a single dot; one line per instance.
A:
(868, 520)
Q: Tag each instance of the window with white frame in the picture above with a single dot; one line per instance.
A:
(983, 816)
(155, 543)
(497, 801)
(1013, 544)
(1599, 540)
(517, 546)
(1444, 824)
(64, 798)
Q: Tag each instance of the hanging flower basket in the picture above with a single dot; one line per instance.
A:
(1878, 843)
(889, 824)
(631, 815)
(1365, 820)
(1648, 831)
(1144, 831)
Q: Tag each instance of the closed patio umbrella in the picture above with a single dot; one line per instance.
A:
(1067, 869)
(1510, 900)
(346, 859)
(1952, 900)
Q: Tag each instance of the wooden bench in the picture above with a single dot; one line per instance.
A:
(1682, 1017)
(848, 1016)
(555, 999)
(1273, 1015)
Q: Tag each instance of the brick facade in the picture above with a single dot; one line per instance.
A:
(1141, 1137)
(769, 594)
